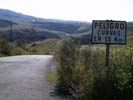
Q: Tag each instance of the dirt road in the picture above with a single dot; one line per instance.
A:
(22, 78)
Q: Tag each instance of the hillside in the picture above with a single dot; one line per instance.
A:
(29, 28)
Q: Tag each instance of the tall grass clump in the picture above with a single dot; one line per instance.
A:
(66, 58)
(122, 62)
(5, 47)
(82, 78)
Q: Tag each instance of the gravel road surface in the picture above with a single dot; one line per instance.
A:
(23, 78)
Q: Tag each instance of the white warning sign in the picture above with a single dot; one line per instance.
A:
(109, 32)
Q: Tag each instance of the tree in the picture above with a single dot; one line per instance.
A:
(5, 47)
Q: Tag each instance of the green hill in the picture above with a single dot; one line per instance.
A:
(44, 47)
(29, 28)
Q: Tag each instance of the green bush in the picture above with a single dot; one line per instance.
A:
(5, 46)
(83, 77)
(8, 48)
(83, 74)
(122, 62)
(66, 58)
(18, 51)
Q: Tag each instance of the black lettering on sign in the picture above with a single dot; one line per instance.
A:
(115, 39)
(105, 25)
(120, 40)
(122, 26)
(118, 33)
(98, 32)
(107, 32)
(111, 32)
(111, 25)
(105, 38)
(96, 25)
(103, 32)
(100, 25)
(116, 26)
(114, 32)
(109, 39)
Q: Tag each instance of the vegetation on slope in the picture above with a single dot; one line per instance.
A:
(8, 48)
(130, 38)
(82, 73)
(44, 47)
(30, 29)
(47, 46)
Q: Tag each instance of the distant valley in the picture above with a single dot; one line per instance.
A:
(28, 28)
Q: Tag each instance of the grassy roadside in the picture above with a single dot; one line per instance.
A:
(44, 47)
(51, 76)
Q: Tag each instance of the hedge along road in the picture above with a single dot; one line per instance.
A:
(22, 78)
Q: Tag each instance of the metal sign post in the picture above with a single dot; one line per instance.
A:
(108, 75)
(107, 55)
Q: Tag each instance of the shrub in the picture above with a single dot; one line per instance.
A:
(5, 46)
(66, 58)
(83, 77)
(83, 74)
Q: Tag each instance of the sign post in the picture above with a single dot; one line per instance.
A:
(107, 55)
(108, 32)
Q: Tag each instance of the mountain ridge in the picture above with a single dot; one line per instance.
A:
(29, 28)
(38, 28)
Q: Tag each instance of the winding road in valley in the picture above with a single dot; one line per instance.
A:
(23, 78)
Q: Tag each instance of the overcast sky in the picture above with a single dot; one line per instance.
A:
(82, 10)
